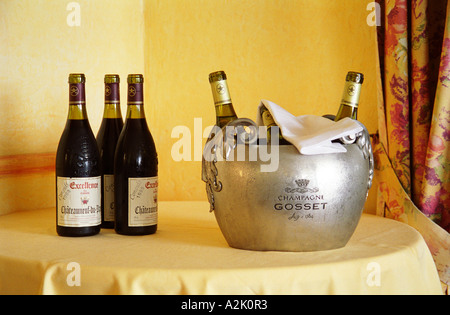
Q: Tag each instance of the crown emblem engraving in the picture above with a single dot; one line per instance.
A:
(302, 182)
(302, 187)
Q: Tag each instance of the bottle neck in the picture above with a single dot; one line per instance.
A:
(269, 122)
(266, 117)
(112, 110)
(351, 94)
(222, 102)
(350, 101)
(224, 114)
(347, 111)
(135, 103)
(135, 111)
(112, 101)
(77, 101)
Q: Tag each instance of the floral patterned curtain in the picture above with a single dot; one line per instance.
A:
(412, 149)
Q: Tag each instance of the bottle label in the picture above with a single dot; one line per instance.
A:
(267, 118)
(112, 93)
(143, 201)
(76, 94)
(220, 92)
(135, 93)
(78, 201)
(108, 197)
(351, 94)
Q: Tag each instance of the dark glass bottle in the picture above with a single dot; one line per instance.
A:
(78, 177)
(136, 168)
(107, 138)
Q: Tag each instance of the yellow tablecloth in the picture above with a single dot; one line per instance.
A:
(188, 255)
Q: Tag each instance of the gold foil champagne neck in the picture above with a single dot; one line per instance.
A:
(267, 117)
(217, 76)
(355, 77)
(219, 88)
(352, 89)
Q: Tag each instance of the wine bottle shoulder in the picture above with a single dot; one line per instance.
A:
(107, 137)
(77, 154)
(136, 148)
(109, 131)
(135, 145)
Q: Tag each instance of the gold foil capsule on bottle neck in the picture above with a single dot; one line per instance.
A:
(77, 78)
(355, 77)
(112, 78)
(135, 78)
(217, 76)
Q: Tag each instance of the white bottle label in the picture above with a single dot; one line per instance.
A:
(143, 201)
(78, 201)
(108, 197)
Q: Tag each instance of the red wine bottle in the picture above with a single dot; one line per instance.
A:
(136, 168)
(107, 138)
(78, 177)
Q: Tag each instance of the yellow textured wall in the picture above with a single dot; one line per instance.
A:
(38, 50)
(293, 52)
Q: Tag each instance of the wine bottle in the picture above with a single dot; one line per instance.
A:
(136, 168)
(269, 122)
(78, 177)
(350, 97)
(222, 100)
(107, 138)
(224, 108)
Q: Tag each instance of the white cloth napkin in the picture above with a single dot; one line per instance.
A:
(308, 133)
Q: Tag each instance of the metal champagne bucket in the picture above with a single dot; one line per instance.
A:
(300, 203)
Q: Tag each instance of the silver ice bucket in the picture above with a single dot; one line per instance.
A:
(298, 203)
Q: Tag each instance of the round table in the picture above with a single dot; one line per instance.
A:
(189, 255)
